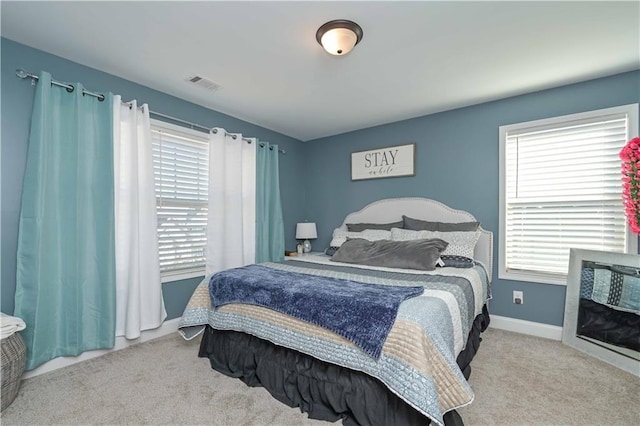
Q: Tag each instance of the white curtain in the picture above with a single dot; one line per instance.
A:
(231, 229)
(139, 303)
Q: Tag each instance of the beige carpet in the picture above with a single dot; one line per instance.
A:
(518, 380)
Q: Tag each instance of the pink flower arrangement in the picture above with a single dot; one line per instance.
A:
(630, 156)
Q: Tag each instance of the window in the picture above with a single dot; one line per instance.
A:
(560, 188)
(181, 170)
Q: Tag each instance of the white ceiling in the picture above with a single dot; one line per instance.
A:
(416, 58)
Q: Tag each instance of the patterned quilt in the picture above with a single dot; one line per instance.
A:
(418, 360)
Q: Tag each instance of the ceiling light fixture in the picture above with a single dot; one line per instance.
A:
(338, 37)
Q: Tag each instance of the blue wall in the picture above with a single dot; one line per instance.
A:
(457, 164)
(17, 102)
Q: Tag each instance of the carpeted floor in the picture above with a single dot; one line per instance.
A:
(517, 379)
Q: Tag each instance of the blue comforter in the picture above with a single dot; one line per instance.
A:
(362, 313)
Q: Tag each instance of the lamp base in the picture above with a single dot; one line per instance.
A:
(306, 246)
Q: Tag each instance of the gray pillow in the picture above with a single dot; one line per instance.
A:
(330, 251)
(452, 261)
(416, 254)
(423, 225)
(359, 227)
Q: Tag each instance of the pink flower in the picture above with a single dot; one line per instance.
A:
(631, 151)
(630, 156)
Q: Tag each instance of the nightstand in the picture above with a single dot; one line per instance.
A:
(303, 255)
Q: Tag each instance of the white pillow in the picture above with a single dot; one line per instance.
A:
(460, 243)
(341, 235)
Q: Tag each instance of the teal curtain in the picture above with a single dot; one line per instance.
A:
(65, 289)
(269, 223)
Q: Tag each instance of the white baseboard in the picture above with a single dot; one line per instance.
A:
(167, 327)
(538, 329)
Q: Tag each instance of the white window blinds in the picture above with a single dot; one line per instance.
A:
(181, 164)
(562, 189)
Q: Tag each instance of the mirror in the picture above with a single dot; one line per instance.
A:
(602, 307)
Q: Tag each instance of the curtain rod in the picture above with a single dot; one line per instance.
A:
(206, 129)
(24, 74)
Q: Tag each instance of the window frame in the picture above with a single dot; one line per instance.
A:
(186, 273)
(543, 277)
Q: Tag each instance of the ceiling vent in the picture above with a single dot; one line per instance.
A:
(203, 82)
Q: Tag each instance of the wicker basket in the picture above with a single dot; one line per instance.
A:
(14, 355)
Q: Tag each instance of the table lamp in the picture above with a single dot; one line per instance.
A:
(306, 231)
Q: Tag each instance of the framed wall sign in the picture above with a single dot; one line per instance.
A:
(392, 161)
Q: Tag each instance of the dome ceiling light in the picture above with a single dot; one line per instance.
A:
(338, 37)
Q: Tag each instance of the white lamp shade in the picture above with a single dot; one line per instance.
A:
(339, 41)
(306, 230)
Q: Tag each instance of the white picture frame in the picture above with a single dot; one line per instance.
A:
(390, 161)
(577, 258)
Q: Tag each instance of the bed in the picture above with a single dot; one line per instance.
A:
(415, 372)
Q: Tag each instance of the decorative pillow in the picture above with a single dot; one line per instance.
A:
(417, 254)
(450, 261)
(359, 227)
(331, 251)
(460, 243)
(423, 225)
(340, 236)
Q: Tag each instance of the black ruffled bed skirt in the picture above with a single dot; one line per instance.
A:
(323, 390)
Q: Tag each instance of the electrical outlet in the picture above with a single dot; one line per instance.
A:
(518, 298)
